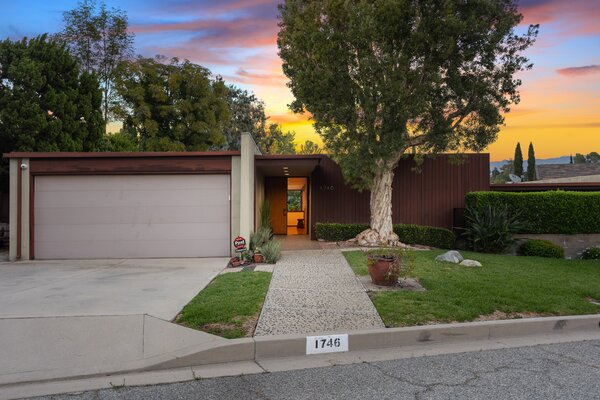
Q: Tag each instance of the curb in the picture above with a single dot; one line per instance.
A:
(269, 347)
(270, 353)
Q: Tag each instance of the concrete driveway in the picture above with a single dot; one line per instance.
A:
(158, 287)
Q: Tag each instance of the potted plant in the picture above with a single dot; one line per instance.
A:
(258, 257)
(235, 262)
(385, 266)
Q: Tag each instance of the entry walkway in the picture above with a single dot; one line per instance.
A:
(315, 291)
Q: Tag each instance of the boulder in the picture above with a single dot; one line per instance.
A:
(452, 256)
(470, 263)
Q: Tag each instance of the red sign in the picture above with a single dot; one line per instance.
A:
(239, 243)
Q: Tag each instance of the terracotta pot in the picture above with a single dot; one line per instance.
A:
(258, 258)
(379, 271)
(235, 262)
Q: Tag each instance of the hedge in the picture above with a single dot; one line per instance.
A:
(541, 248)
(409, 234)
(547, 212)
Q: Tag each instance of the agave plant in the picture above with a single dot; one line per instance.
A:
(489, 229)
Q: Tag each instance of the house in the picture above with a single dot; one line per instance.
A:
(191, 204)
(568, 173)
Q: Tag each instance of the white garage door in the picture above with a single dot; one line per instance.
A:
(131, 216)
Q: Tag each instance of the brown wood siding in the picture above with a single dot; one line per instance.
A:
(425, 198)
(127, 165)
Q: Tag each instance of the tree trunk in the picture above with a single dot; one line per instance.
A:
(381, 232)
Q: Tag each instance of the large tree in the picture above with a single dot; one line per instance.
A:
(247, 114)
(518, 161)
(171, 105)
(99, 38)
(46, 102)
(381, 77)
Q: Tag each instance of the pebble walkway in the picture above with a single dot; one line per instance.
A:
(315, 291)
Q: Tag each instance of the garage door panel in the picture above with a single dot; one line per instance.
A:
(128, 198)
(102, 183)
(126, 216)
(136, 232)
(131, 249)
(137, 215)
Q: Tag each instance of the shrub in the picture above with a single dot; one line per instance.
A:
(409, 234)
(334, 232)
(490, 229)
(271, 251)
(546, 212)
(591, 253)
(541, 248)
(260, 237)
(425, 235)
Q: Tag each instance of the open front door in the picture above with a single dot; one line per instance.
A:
(276, 194)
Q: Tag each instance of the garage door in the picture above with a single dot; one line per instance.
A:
(131, 216)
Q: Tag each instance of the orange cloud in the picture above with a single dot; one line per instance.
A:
(579, 71)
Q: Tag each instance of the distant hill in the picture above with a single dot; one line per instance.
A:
(539, 161)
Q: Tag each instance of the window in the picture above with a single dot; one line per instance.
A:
(294, 200)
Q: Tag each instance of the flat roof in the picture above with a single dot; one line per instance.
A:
(140, 154)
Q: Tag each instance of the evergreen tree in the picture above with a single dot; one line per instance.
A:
(531, 163)
(46, 102)
(518, 161)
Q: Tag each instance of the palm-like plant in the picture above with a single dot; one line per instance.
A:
(490, 229)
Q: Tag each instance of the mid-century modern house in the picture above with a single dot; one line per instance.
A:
(191, 204)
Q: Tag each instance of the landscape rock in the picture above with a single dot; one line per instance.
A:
(452, 256)
(470, 263)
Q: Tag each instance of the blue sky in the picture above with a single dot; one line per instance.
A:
(560, 108)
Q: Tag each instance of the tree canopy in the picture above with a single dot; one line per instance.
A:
(246, 114)
(46, 104)
(383, 76)
(276, 141)
(309, 147)
(171, 105)
(99, 39)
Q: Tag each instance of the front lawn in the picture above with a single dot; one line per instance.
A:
(513, 285)
(229, 306)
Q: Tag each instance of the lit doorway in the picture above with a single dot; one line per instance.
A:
(297, 206)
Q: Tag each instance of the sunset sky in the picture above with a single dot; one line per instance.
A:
(559, 111)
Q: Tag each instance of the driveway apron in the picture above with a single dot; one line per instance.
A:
(315, 291)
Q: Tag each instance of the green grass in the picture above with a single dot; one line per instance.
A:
(229, 306)
(508, 284)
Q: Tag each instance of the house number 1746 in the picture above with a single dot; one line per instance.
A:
(326, 344)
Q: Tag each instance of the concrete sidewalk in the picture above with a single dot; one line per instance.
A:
(315, 291)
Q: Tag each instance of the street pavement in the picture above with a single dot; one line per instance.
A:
(556, 371)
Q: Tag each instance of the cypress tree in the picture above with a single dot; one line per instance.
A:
(518, 161)
(531, 163)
